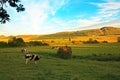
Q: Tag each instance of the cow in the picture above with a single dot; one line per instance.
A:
(24, 50)
(31, 57)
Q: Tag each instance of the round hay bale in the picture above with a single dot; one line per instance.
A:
(64, 52)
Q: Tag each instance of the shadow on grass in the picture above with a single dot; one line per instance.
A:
(99, 57)
(47, 55)
(109, 77)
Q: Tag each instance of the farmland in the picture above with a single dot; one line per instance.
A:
(88, 62)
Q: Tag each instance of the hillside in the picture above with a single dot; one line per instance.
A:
(27, 37)
(110, 31)
(3, 38)
(63, 35)
(104, 31)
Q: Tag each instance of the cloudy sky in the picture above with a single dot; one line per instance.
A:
(51, 16)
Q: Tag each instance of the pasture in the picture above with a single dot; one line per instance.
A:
(88, 62)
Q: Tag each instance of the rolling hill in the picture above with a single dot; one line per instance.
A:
(104, 31)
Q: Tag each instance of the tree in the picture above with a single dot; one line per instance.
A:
(4, 16)
(118, 39)
(36, 43)
(20, 42)
(91, 41)
(11, 41)
(3, 44)
(16, 42)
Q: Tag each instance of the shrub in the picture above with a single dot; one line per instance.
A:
(52, 41)
(118, 39)
(104, 41)
(91, 41)
(64, 52)
(36, 43)
(3, 44)
(16, 42)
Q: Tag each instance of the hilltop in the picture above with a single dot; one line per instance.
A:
(104, 31)
(98, 32)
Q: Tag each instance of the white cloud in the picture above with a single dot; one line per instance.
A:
(36, 18)
(83, 24)
(109, 6)
(107, 12)
(106, 16)
(108, 9)
(39, 17)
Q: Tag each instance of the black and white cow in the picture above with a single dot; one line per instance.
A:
(31, 57)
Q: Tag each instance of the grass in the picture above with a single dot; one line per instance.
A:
(89, 62)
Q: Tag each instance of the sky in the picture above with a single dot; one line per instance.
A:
(51, 16)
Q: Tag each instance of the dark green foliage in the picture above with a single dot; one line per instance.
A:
(19, 42)
(99, 57)
(4, 16)
(20, 8)
(3, 44)
(16, 42)
(36, 43)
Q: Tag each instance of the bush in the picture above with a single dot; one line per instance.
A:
(36, 43)
(16, 42)
(3, 44)
(91, 41)
(104, 41)
(118, 39)
(64, 52)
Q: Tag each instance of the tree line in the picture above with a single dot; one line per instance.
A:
(19, 42)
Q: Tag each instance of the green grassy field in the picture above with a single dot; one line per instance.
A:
(88, 62)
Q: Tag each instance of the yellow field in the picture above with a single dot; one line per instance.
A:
(4, 39)
(65, 41)
(98, 38)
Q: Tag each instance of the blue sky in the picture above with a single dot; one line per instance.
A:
(51, 16)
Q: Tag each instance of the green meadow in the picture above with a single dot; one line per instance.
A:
(88, 62)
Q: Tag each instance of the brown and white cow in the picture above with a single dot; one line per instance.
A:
(24, 50)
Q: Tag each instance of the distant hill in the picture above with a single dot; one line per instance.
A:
(27, 37)
(110, 30)
(62, 35)
(104, 31)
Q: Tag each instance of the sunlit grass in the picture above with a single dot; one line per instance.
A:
(84, 64)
